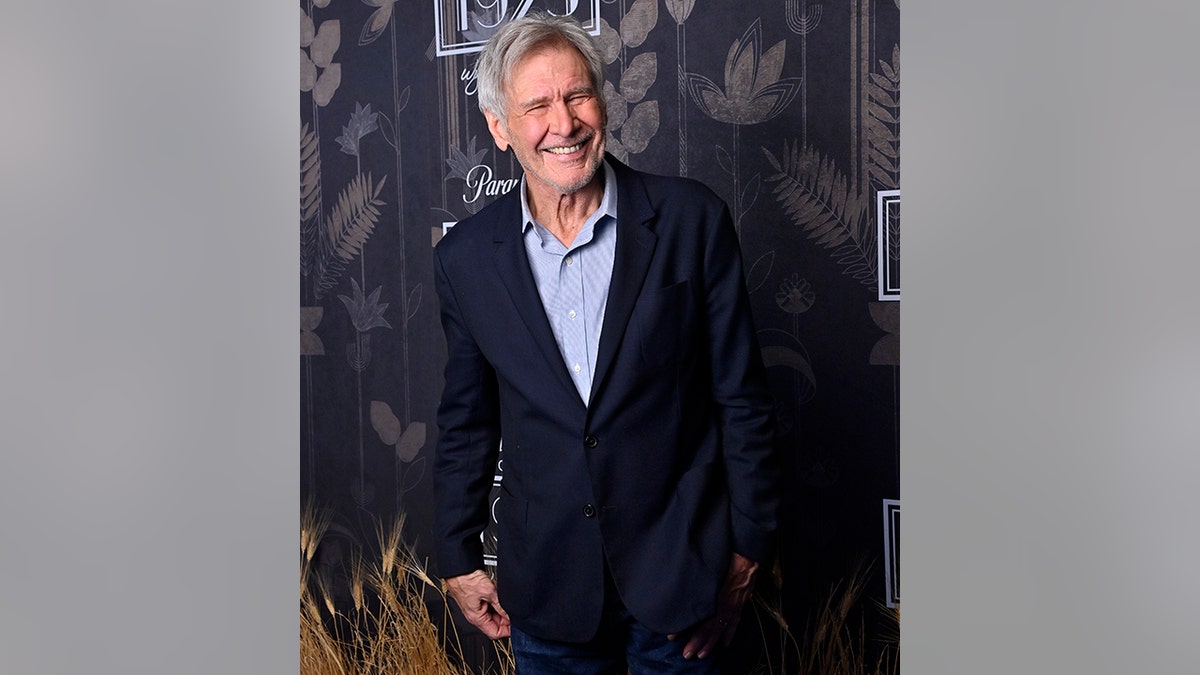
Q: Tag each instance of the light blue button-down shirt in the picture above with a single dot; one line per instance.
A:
(573, 282)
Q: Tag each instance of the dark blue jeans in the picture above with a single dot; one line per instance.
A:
(622, 645)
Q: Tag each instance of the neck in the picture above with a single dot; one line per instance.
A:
(564, 214)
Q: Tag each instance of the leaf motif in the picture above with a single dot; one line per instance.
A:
(760, 271)
(750, 194)
(875, 129)
(403, 102)
(638, 21)
(773, 162)
(887, 69)
(385, 128)
(307, 31)
(310, 197)
(375, 24)
(326, 42)
(311, 345)
(615, 105)
(833, 237)
(770, 66)
(349, 224)
(310, 342)
(413, 476)
(886, 315)
(881, 123)
(777, 355)
(327, 84)
(609, 41)
(883, 156)
(321, 3)
(883, 83)
(640, 127)
(817, 197)
(308, 72)
(310, 317)
(614, 146)
(385, 423)
(879, 113)
(724, 161)
(638, 77)
(411, 442)
(414, 300)
(880, 96)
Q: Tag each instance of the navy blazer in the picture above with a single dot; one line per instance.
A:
(671, 466)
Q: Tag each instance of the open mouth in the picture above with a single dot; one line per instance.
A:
(566, 150)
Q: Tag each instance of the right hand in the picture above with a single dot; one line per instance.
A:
(476, 596)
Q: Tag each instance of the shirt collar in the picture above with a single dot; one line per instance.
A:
(608, 202)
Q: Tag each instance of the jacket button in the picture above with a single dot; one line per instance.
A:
(589, 510)
(590, 441)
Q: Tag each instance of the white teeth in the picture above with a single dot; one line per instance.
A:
(565, 151)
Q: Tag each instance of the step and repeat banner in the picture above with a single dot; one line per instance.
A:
(789, 110)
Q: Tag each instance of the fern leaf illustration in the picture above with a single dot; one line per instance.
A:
(310, 197)
(347, 228)
(881, 124)
(818, 198)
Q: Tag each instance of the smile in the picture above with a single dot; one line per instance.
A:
(567, 150)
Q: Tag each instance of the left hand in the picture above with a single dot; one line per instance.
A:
(720, 627)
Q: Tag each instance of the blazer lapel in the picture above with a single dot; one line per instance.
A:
(512, 265)
(635, 249)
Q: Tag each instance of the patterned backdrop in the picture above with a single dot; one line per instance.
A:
(789, 110)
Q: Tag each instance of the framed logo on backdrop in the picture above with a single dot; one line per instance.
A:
(488, 536)
(891, 551)
(462, 26)
(887, 219)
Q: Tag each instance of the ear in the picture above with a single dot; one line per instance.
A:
(499, 133)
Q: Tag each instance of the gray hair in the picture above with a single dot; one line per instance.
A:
(519, 38)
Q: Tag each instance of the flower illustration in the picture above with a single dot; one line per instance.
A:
(795, 295)
(461, 163)
(680, 9)
(753, 92)
(365, 311)
(362, 122)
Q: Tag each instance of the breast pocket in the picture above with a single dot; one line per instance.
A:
(664, 318)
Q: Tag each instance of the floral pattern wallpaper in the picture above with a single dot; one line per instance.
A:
(790, 110)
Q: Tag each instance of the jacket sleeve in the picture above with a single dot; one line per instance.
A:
(741, 394)
(468, 438)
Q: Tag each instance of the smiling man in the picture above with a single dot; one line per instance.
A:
(597, 320)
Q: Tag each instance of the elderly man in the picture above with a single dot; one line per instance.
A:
(596, 319)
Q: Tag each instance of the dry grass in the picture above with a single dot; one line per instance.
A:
(834, 641)
(387, 627)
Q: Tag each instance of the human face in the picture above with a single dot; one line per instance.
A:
(554, 122)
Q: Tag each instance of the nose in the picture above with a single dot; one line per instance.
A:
(562, 119)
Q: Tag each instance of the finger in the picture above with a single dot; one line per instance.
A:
(703, 640)
(491, 625)
(499, 610)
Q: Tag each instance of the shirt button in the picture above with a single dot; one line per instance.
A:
(576, 367)
(570, 261)
(590, 441)
(589, 511)
(571, 314)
